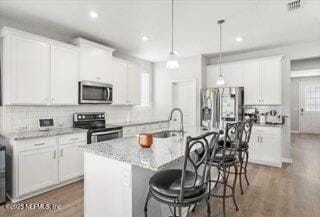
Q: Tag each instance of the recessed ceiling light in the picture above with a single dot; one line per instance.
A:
(239, 39)
(145, 38)
(93, 14)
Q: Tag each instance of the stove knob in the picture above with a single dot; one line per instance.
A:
(83, 116)
(100, 116)
(79, 116)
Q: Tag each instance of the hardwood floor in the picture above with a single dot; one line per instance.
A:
(293, 190)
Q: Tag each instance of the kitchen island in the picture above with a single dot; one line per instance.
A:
(117, 173)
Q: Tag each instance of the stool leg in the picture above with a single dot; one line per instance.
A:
(215, 185)
(208, 207)
(240, 173)
(234, 186)
(146, 204)
(224, 191)
(245, 167)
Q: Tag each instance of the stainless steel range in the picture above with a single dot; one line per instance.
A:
(98, 130)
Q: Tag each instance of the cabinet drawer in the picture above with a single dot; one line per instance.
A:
(30, 144)
(267, 130)
(143, 128)
(72, 138)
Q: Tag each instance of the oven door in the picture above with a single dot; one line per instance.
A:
(95, 92)
(106, 135)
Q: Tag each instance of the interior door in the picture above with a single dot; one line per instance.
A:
(64, 75)
(309, 103)
(184, 97)
(254, 147)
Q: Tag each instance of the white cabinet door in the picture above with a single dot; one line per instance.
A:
(70, 161)
(252, 83)
(271, 148)
(271, 81)
(29, 71)
(64, 75)
(134, 84)
(119, 82)
(95, 64)
(233, 74)
(254, 147)
(37, 170)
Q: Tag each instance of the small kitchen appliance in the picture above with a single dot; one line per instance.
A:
(250, 114)
(98, 130)
(46, 124)
(272, 117)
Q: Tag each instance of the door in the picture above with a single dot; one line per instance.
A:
(37, 169)
(70, 162)
(271, 81)
(184, 97)
(134, 84)
(29, 71)
(270, 146)
(64, 75)
(252, 82)
(120, 82)
(254, 147)
(309, 101)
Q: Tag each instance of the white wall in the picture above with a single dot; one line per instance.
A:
(191, 68)
(294, 52)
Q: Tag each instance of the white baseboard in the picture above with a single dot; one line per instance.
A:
(287, 160)
(294, 131)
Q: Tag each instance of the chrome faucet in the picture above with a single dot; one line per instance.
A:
(181, 118)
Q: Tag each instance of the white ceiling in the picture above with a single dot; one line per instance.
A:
(121, 23)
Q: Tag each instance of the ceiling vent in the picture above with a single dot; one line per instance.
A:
(293, 5)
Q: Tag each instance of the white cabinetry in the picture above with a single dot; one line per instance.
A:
(26, 70)
(126, 82)
(262, 81)
(265, 146)
(41, 164)
(95, 61)
(64, 75)
(37, 70)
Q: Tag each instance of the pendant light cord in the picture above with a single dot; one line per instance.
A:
(172, 13)
(220, 39)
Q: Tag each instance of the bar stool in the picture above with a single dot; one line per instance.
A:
(225, 158)
(184, 187)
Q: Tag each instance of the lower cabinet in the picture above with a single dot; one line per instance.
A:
(37, 169)
(38, 165)
(70, 161)
(265, 146)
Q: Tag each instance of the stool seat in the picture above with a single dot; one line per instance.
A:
(167, 183)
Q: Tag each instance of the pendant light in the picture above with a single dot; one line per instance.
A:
(220, 80)
(172, 62)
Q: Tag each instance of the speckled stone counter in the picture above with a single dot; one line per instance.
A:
(138, 122)
(38, 134)
(162, 153)
(268, 125)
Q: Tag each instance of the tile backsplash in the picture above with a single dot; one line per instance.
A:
(266, 108)
(21, 118)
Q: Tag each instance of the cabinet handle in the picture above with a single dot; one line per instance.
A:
(61, 153)
(261, 139)
(38, 144)
(54, 154)
(258, 139)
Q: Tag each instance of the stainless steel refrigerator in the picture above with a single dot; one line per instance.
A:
(221, 105)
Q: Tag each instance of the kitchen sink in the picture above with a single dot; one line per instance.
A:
(166, 133)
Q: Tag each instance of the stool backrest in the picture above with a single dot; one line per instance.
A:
(246, 128)
(233, 136)
(197, 157)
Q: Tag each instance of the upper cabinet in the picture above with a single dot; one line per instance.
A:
(95, 61)
(37, 70)
(126, 82)
(261, 79)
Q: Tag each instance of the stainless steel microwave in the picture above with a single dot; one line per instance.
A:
(91, 92)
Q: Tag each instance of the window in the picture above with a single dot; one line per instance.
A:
(145, 89)
(312, 98)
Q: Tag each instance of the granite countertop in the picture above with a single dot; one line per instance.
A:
(138, 122)
(38, 134)
(268, 125)
(163, 152)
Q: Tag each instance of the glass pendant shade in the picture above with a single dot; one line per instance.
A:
(172, 62)
(220, 81)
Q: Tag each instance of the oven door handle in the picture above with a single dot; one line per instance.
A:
(106, 132)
